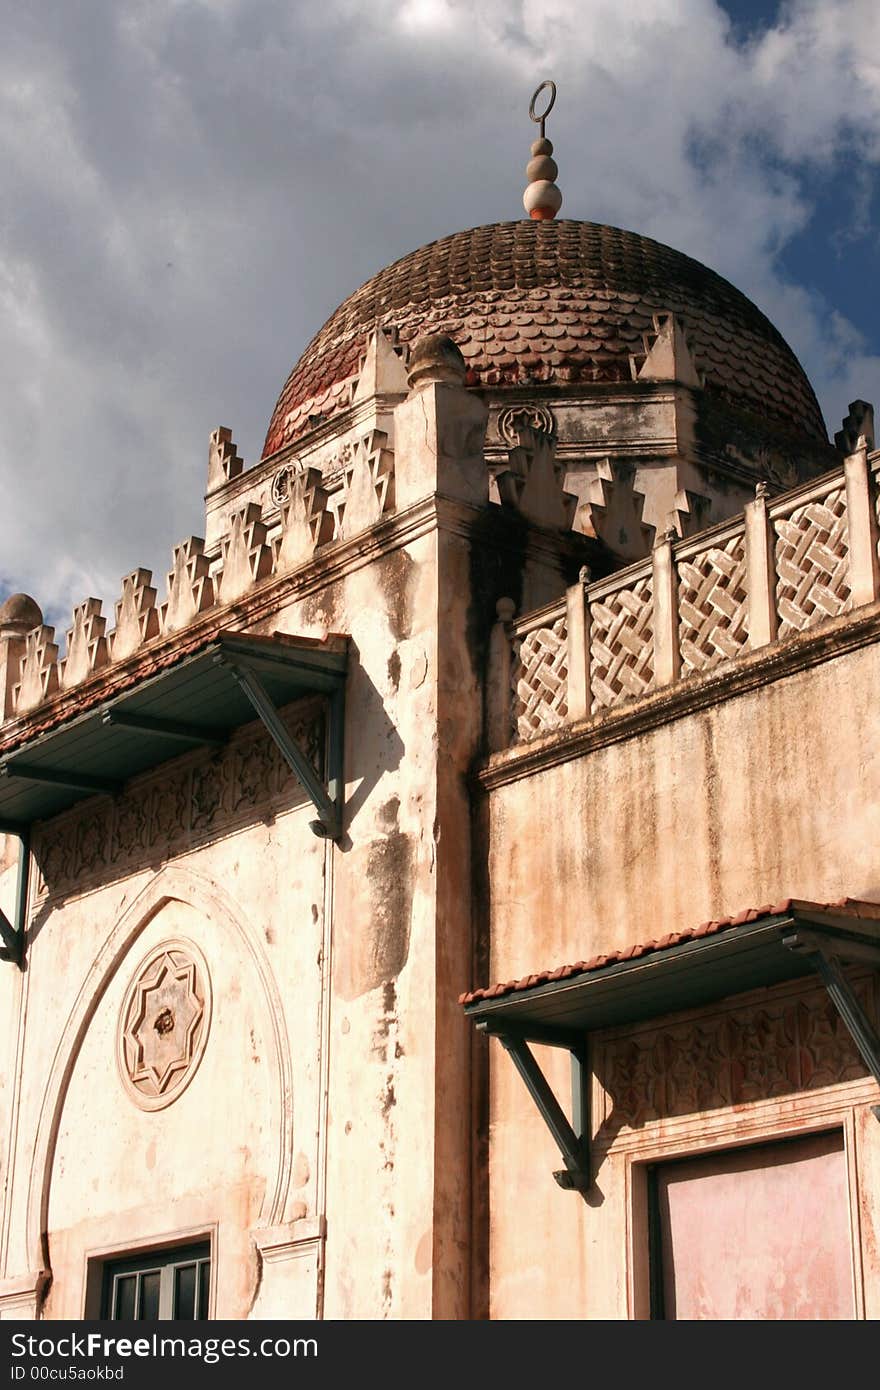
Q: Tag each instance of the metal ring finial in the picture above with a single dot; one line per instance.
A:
(539, 120)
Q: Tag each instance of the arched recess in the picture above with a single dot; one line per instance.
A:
(170, 884)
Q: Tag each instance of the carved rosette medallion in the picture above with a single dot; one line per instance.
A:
(518, 417)
(280, 489)
(164, 1024)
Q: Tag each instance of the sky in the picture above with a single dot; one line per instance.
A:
(190, 187)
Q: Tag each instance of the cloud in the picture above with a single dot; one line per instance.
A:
(191, 186)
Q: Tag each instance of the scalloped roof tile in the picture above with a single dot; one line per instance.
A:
(598, 282)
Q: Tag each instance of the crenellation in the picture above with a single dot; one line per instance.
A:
(383, 368)
(39, 670)
(86, 644)
(368, 484)
(190, 587)
(306, 520)
(224, 462)
(857, 428)
(666, 354)
(533, 483)
(613, 509)
(245, 555)
(137, 618)
(691, 513)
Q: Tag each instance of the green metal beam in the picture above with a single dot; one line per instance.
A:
(13, 933)
(544, 1034)
(824, 955)
(572, 1140)
(329, 823)
(162, 728)
(77, 781)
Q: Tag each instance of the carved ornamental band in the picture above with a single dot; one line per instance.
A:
(164, 1023)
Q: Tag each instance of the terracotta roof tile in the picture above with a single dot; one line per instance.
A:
(595, 281)
(854, 907)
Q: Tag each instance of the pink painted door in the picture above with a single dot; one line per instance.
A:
(756, 1233)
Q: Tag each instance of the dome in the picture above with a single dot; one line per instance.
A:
(20, 610)
(554, 304)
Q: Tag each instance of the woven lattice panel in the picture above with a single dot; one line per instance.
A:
(712, 605)
(540, 680)
(812, 563)
(622, 645)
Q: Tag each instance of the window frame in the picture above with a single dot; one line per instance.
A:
(169, 1251)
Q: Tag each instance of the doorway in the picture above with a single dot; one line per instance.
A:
(753, 1233)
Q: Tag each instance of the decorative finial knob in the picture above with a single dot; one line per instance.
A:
(542, 199)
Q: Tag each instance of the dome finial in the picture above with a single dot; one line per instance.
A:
(542, 199)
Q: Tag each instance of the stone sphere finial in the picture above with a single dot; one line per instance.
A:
(20, 613)
(542, 199)
(436, 357)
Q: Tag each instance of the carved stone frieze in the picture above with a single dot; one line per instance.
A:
(742, 1055)
(208, 792)
(173, 810)
(164, 1024)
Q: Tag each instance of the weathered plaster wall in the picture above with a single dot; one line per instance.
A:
(358, 948)
(119, 1177)
(770, 794)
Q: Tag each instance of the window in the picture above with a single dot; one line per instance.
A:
(159, 1286)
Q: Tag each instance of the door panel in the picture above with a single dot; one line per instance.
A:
(756, 1233)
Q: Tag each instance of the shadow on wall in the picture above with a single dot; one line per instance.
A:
(731, 1057)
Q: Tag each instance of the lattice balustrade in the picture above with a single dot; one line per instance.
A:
(539, 677)
(712, 605)
(622, 645)
(812, 563)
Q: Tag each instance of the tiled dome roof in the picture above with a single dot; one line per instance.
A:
(554, 303)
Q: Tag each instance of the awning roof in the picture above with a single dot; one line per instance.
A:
(196, 701)
(702, 964)
(760, 947)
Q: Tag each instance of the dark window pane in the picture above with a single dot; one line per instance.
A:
(185, 1292)
(155, 1285)
(124, 1299)
(150, 1296)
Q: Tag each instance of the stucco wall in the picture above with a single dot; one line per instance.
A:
(316, 1099)
(770, 794)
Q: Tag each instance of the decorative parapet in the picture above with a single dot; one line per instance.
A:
(782, 568)
(190, 589)
(224, 460)
(306, 521)
(368, 484)
(39, 669)
(137, 618)
(246, 556)
(86, 644)
(318, 507)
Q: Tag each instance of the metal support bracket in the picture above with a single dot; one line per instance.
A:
(572, 1138)
(163, 728)
(327, 802)
(51, 777)
(825, 957)
(12, 934)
